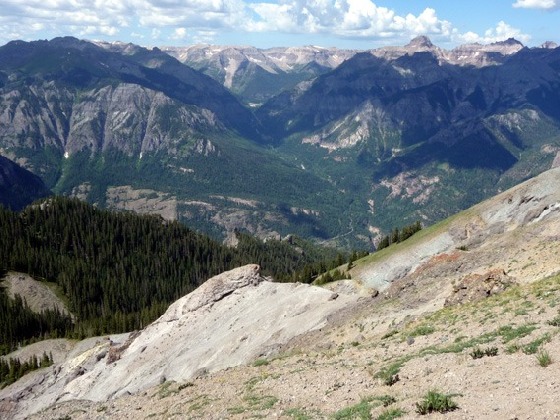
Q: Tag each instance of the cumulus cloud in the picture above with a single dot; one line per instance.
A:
(347, 18)
(195, 20)
(179, 34)
(537, 4)
(501, 32)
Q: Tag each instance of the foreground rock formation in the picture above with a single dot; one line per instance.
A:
(232, 319)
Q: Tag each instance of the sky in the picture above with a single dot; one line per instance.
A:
(353, 24)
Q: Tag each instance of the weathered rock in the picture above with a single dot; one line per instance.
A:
(230, 320)
(476, 287)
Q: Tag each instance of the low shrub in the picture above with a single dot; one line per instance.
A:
(435, 402)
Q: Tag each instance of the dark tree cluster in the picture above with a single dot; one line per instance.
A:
(398, 235)
(119, 271)
(19, 324)
(13, 369)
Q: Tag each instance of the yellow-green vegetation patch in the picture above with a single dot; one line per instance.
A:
(362, 410)
(167, 388)
(543, 358)
(520, 296)
(424, 329)
(260, 362)
(435, 401)
(199, 402)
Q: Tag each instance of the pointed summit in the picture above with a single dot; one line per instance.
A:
(420, 42)
(509, 42)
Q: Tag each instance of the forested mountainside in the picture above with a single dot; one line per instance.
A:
(119, 271)
(385, 138)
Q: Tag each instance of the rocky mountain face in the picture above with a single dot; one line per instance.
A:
(476, 55)
(420, 123)
(119, 125)
(18, 186)
(262, 315)
(370, 141)
(240, 345)
(68, 96)
(258, 74)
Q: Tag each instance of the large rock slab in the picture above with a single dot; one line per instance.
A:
(230, 320)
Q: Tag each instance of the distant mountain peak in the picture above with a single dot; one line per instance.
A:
(510, 41)
(421, 41)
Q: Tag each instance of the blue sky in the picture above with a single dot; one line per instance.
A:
(356, 24)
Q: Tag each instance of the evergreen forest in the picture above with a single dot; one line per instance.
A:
(119, 271)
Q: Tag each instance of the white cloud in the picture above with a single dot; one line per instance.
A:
(501, 32)
(194, 20)
(537, 4)
(347, 18)
(179, 34)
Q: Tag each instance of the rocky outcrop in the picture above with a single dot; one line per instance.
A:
(230, 320)
(479, 286)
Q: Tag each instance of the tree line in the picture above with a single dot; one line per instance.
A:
(12, 369)
(399, 235)
(118, 270)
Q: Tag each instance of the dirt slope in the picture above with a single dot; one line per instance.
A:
(38, 295)
(342, 370)
(230, 320)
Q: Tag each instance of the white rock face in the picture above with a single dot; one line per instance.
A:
(231, 319)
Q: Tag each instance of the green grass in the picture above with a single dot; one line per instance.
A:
(389, 374)
(297, 413)
(390, 414)
(422, 330)
(362, 410)
(509, 333)
(200, 402)
(478, 353)
(533, 346)
(435, 401)
(389, 334)
(555, 322)
(543, 358)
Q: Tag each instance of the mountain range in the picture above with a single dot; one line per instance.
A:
(339, 146)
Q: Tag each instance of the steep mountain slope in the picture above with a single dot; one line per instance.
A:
(37, 295)
(430, 137)
(387, 137)
(115, 124)
(256, 74)
(318, 352)
(19, 187)
(263, 316)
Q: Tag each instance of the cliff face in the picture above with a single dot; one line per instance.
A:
(126, 117)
